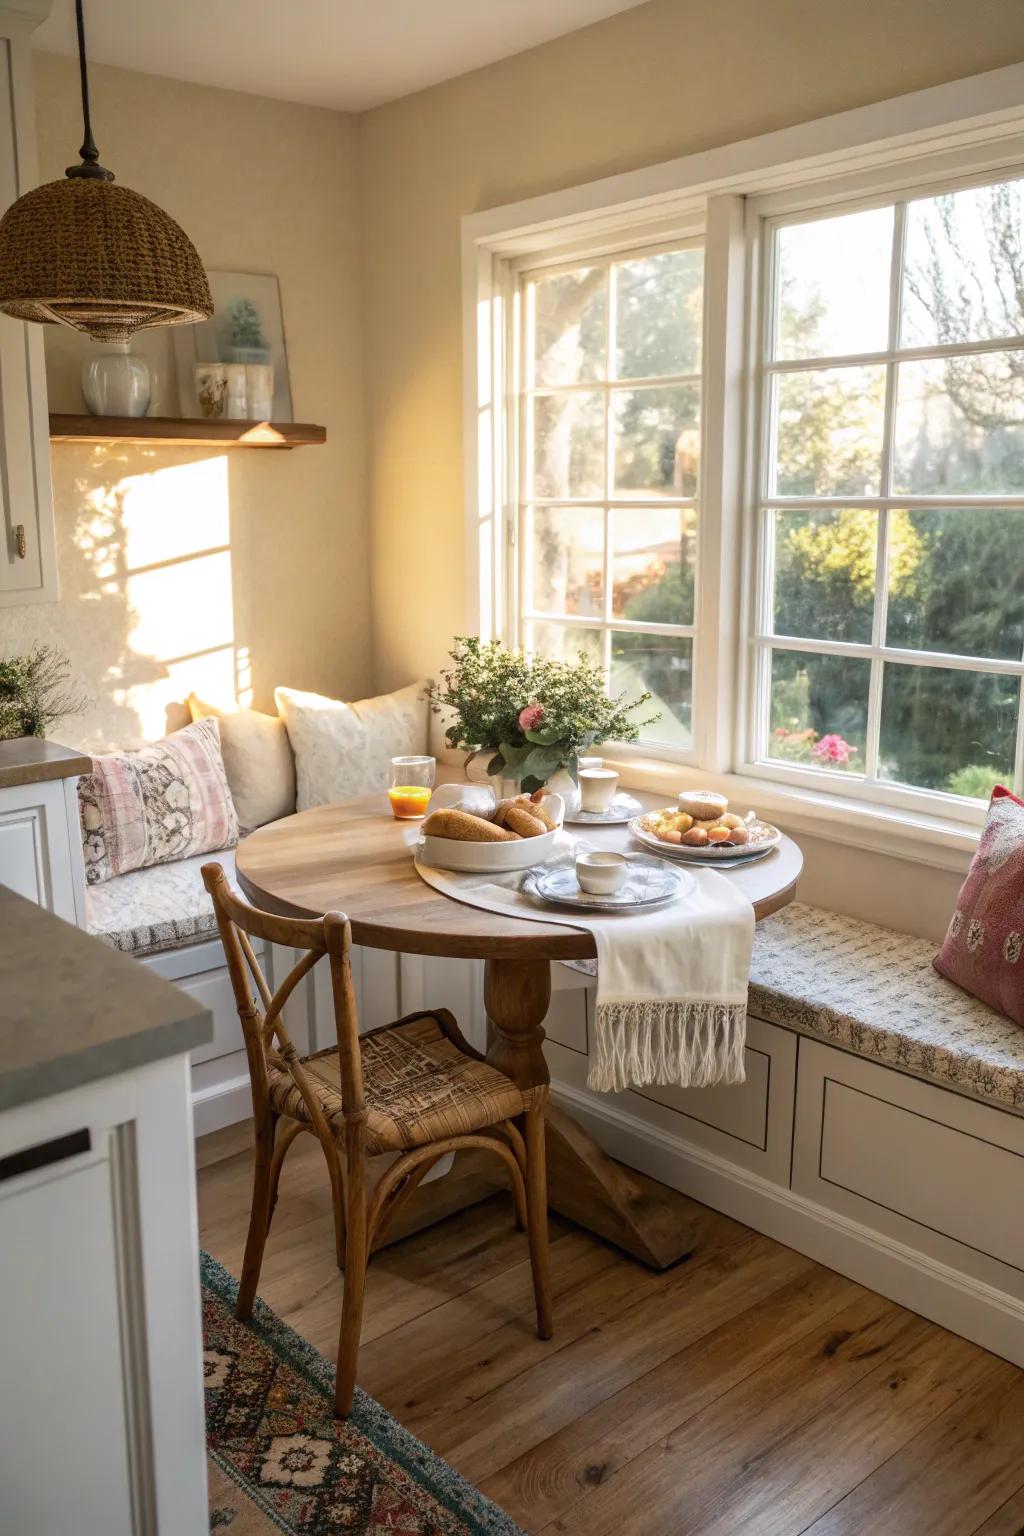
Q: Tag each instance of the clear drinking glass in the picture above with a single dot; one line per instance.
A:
(410, 782)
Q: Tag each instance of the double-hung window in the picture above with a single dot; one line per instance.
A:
(889, 626)
(848, 418)
(610, 447)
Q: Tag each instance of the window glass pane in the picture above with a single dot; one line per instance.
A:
(960, 425)
(829, 432)
(568, 445)
(564, 560)
(833, 285)
(562, 642)
(819, 707)
(659, 314)
(825, 564)
(963, 266)
(947, 730)
(653, 555)
(955, 582)
(662, 664)
(657, 440)
(570, 326)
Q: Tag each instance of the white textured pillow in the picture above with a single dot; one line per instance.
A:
(257, 760)
(342, 749)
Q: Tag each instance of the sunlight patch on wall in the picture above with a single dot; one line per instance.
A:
(159, 541)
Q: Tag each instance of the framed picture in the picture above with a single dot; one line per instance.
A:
(246, 327)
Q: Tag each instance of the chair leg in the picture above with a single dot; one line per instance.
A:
(537, 1216)
(355, 1284)
(281, 1144)
(259, 1219)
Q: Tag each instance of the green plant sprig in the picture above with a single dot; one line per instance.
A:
(488, 687)
(34, 692)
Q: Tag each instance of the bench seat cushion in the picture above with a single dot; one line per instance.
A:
(151, 910)
(873, 991)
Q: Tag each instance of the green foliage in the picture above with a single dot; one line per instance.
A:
(244, 329)
(34, 692)
(489, 687)
(976, 782)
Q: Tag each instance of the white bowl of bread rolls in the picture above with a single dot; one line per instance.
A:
(476, 837)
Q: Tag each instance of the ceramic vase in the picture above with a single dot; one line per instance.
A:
(116, 384)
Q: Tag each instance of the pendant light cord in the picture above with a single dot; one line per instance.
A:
(90, 166)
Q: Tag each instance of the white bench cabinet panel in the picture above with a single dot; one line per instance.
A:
(919, 1164)
(28, 565)
(749, 1124)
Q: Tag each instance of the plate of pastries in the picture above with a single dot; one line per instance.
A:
(701, 829)
(478, 837)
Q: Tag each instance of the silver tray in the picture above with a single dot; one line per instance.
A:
(650, 883)
(622, 809)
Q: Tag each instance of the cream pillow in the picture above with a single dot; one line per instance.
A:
(257, 760)
(342, 749)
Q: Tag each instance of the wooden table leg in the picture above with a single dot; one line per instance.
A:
(647, 1219)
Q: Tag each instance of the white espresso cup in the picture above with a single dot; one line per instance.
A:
(597, 788)
(601, 874)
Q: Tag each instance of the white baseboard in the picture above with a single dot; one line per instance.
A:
(945, 1295)
(221, 1104)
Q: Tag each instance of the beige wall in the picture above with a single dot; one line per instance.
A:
(669, 78)
(181, 567)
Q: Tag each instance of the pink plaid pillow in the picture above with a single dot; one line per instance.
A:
(984, 945)
(167, 801)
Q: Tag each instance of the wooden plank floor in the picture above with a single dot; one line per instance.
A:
(746, 1392)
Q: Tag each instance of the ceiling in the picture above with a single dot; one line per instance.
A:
(349, 54)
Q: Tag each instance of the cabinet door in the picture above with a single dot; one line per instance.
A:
(27, 558)
(61, 1358)
(37, 854)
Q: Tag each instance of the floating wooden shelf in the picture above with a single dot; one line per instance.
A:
(185, 432)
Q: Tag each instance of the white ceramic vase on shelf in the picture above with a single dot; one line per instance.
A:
(116, 384)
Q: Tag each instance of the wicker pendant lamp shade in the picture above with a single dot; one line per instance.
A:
(86, 253)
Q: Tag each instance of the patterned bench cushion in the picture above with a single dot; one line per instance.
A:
(163, 907)
(873, 991)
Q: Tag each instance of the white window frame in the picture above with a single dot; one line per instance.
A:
(764, 217)
(527, 268)
(968, 128)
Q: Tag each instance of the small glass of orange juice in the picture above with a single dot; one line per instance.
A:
(411, 781)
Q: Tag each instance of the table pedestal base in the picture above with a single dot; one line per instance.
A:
(645, 1218)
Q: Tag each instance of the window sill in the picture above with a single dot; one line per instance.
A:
(929, 840)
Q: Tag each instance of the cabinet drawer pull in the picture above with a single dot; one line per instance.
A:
(44, 1154)
(20, 542)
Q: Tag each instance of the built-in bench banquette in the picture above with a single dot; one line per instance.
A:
(879, 1129)
(318, 750)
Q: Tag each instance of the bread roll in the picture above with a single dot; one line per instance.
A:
(503, 807)
(464, 827)
(519, 819)
(539, 809)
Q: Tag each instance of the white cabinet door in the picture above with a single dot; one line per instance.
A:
(28, 571)
(58, 1278)
(40, 846)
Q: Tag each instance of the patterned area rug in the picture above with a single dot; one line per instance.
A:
(280, 1461)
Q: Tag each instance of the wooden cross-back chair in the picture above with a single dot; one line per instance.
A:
(415, 1087)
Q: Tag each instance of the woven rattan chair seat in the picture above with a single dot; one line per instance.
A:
(418, 1088)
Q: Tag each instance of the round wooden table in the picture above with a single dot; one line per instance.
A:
(355, 858)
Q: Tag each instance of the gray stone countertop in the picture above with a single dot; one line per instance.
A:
(73, 1010)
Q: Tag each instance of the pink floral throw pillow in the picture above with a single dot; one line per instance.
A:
(983, 950)
(167, 801)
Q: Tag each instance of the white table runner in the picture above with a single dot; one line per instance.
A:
(671, 983)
